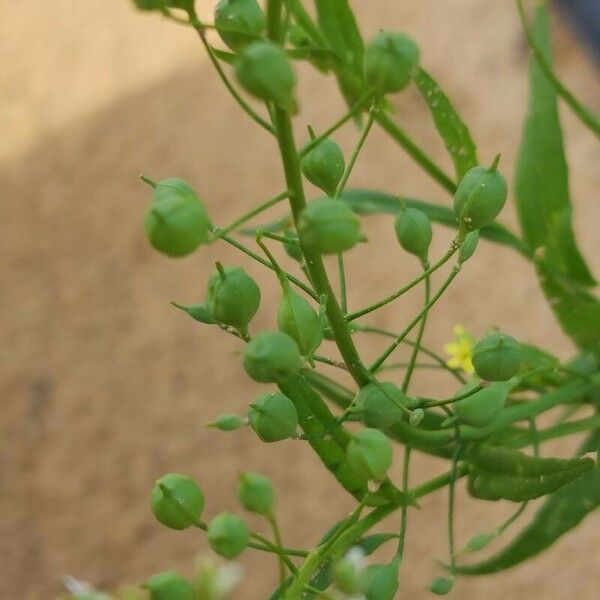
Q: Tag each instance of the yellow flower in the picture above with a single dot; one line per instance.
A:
(460, 350)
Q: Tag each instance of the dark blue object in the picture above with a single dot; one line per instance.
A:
(584, 16)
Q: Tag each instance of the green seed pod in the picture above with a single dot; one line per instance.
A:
(256, 493)
(292, 249)
(497, 357)
(480, 196)
(265, 71)
(416, 416)
(239, 22)
(323, 165)
(389, 61)
(379, 404)
(483, 407)
(413, 230)
(228, 422)
(169, 586)
(181, 507)
(369, 454)
(329, 227)
(273, 417)
(177, 222)
(228, 535)
(468, 247)
(480, 541)
(347, 575)
(300, 321)
(380, 582)
(441, 586)
(272, 356)
(232, 297)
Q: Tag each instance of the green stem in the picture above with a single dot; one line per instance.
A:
(455, 271)
(422, 325)
(451, 502)
(430, 403)
(361, 141)
(415, 152)
(424, 275)
(343, 291)
(243, 104)
(267, 264)
(278, 541)
(255, 211)
(354, 109)
(404, 509)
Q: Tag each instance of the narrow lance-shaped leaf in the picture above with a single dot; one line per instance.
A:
(451, 128)
(562, 511)
(541, 183)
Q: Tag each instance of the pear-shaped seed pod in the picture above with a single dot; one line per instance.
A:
(323, 165)
(497, 357)
(239, 22)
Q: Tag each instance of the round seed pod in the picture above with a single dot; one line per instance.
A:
(480, 196)
(497, 357)
(347, 574)
(329, 227)
(483, 407)
(441, 586)
(323, 165)
(369, 453)
(379, 404)
(265, 71)
(228, 535)
(380, 582)
(181, 507)
(298, 319)
(468, 247)
(177, 222)
(233, 297)
(272, 356)
(169, 586)
(273, 417)
(413, 230)
(256, 493)
(389, 61)
(239, 22)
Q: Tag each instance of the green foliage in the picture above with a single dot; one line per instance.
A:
(483, 428)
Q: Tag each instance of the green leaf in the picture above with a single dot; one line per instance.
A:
(577, 311)
(542, 182)
(562, 511)
(451, 128)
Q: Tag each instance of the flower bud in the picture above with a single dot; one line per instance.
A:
(497, 357)
(228, 422)
(272, 356)
(265, 71)
(256, 493)
(416, 416)
(389, 61)
(468, 247)
(177, 501)
(273, 417)
(169, 586)
(323, 165)
(228, 535)
(480, 196)
(239, 22)
(380, 582)
(232, 297)
(483, 407)
(177, 222)
(329, 227)
(369, 453)
(413, 230)
(300, 321)
(379, 404)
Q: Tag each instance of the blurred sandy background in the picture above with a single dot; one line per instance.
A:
(105, 387)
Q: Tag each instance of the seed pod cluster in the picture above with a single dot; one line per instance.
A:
(177, 222)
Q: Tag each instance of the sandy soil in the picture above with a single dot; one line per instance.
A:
(105, 387)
